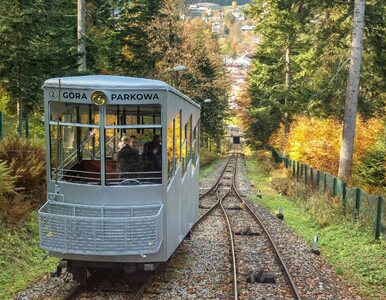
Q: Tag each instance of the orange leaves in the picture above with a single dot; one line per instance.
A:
(366, 135)
(317, 141)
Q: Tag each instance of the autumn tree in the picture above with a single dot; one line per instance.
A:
(205, 77)
(165, 40)
(319, 32)
(350, 110)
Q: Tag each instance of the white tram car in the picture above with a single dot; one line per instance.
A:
(96, 215)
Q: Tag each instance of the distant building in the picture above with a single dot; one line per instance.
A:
(217, 28)
(198, 9)
(247, 28)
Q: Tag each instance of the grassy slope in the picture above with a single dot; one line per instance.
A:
(351, 252)
(21, 258)
(208, 168)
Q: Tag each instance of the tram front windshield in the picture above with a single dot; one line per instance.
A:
(131, 144)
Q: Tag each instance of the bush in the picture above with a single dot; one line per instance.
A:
(23, 172)
(264, 158)
(323, 209)
(317, 141)
(370, 172)
(206, 157)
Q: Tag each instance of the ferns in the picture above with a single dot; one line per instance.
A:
(22, 178)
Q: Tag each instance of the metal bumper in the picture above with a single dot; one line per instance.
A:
(100, 230)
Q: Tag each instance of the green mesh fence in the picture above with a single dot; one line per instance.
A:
(365, 209)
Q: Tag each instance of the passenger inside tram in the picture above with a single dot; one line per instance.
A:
(128, 158)
(151, 156)
(76, 137)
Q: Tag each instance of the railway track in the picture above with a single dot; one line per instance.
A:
(202, 266)
(261, 272)
(106, 287)
(252, 267)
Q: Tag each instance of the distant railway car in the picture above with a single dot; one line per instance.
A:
(235, 134)
(122, 172)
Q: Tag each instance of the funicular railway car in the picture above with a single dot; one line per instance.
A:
(108, 207)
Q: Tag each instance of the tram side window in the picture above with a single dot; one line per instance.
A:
(170, 149)
(133, 149)
(174, 145)
(177, 138)
(189, 140)
(184, 148)
(195, 145)
(75, 143)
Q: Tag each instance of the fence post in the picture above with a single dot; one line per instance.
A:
(334, 186)
(378, 223)
(312, 176)
(293, 168)
(297, 170)
(317, 179)
(305, 173)
(1, 125)
(357, 202)
(325, 181)
(344, 197)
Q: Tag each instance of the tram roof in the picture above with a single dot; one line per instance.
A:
(111, 82)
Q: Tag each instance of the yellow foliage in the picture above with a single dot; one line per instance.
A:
(317, 141)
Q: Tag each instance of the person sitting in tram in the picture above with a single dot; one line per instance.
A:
(151, 157)
(128, 158)
(121, 143)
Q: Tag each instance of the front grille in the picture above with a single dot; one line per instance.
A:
(100, 230)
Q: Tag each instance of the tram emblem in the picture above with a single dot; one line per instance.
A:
(52, 94)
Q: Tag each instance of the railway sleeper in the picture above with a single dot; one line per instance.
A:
(261, 277)
(247, 232)
(202, 206)
(234, 207)
(135, 272)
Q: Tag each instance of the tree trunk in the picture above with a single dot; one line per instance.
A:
(288, 88)
(82, 34)
(350, 109)
(19, 112)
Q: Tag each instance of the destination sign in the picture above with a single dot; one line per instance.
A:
(85, 96)
(134, 97)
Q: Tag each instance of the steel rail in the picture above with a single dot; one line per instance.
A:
(232, 242)
(215, 186)
(280, 259)
(138, 295)
(231, 238)
(74, 293)
(208, 192)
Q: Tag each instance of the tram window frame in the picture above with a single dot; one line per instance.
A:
(143, 168)
(80, 134)
(195, 143)
(189, 140)
(177, 139)
(184, 149)
(171, 143)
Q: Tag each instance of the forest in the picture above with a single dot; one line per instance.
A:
(132, 38)
(294, 97)
(296, 90)
(299, 62)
